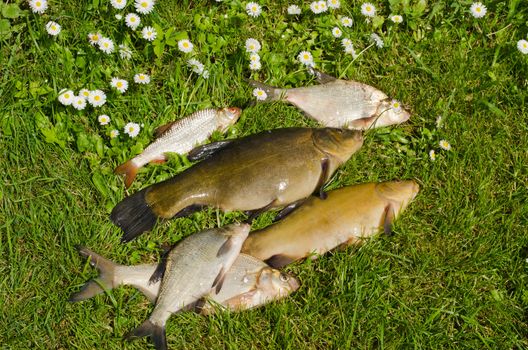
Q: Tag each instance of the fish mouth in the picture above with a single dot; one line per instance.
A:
(235, 111)
(294, 283)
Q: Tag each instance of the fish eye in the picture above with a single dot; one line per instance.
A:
(284, 278)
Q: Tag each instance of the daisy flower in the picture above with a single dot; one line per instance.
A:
(94, 38)
(478, 10)
(323, 6)
(196, 66)
(254, 57)
(306, 58)
(149, 33)
(346, 42)
(114, 133)
(185, 46)
(255, 65)
(84, 93)
(253, 9)
(132, 21)
(53, 28)
(294, 10)
(118, 4)
(333, 4)
(346, 21)
(97, 98)
(350, 50)
(432, 155)
(205, 74)
(368, 10)
(144, 6)
(132, 129)
(396, 19)
(522, 45)
(66, 97)
(336, 32)
(396, 106)
(260, 94)
(377, 40)
(120, 85)
(118, 17)
(141, 78)
(38, 6)
(125, 52)
(444, 145)
(106, 45)
(252, 45)
(79, 103)
(103, 119)
(315, 7)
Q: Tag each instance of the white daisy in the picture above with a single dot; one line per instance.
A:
(432, 155)
(347, 21)
(336, 32)
(114, 133)
(79, 103)
(478, 10)
(120, 85)
(346, 42)
(53, 28)
(333, 4)
(125, 52)
(396, 19)
(256, 65)
(522, 45)
(314, 6)
(118, 4)
(260, 94)
(149, 33)
(38, 6)
(196, 66)
(132, 21)
(368, 10)
(141, 78)
(323, 6)
(444, 145)
(144, 6)
(377, 40)
(306, 58)
(103, 119)
(185, 46)
(106, 45)
(350, 50)
(294, 10)
(97, 98)
(132, 129)
(118, 16)
(84, 93)
(94, 38)
(252, 45)
(205, 74)
(396, 106)
(254, 57)
(66, 97)
(253, 9)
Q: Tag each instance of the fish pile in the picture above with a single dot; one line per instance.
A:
(229, 267)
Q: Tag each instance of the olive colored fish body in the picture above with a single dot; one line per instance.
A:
(180, 137)
(347, 216)
(266, 170)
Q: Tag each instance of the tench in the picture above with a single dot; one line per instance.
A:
(255, 173)
(249, 283)
(347, 216)
(192, 269)
(340, 103)
(180, 137)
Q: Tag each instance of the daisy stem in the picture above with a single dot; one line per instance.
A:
(354, 60)
(498, 31)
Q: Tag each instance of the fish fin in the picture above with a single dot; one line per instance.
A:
(239, 302)
(252, 214)
(156, 333)
(219, 280)
(278, 260)
(205, 151)
(197, 306)
(288, 210)
(362, 123)
(272, 93)
(160, 269)
(130, 170)
(134, 216)
(160, 130)
(322, 78)
(325, 165)
(388, 219)
(225, 248)
(160, 160)
(97, 285)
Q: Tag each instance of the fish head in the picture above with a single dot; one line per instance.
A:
(274, 284)
(390, 112)
(399, 192)
(340, 143)
(227, 116)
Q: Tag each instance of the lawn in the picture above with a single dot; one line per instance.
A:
(453, 275)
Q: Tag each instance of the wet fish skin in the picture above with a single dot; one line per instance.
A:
(340, 103)
(347, 216)
(266, 170)
(180, 137)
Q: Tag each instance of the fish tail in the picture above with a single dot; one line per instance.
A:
(273, 93)
(156, 333)
(104, 281)
(130, 170)
(134, 216)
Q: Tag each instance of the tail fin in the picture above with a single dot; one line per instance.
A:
(272, 93)
(97, 285)
(130, 170)
(134, 216)
(156, 333)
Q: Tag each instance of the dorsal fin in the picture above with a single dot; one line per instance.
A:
(160, 130)
(322, 78)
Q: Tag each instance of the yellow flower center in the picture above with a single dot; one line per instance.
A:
(396, 105)
(132, 19)
(185, 45)
(141, 77)
(368, 8)
(97, 98)
(66, 95)
(38, 3)
(131, 129)
(119, 84)
(106, 45)
(144, 4)
(306, 57)
(149, 33)
(53, 28)
(478, 9)
(254, 9)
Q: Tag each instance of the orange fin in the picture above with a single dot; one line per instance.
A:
(130, 170)
(161, 129)
(160, 160)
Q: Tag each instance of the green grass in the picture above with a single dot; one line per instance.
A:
(454, 274)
